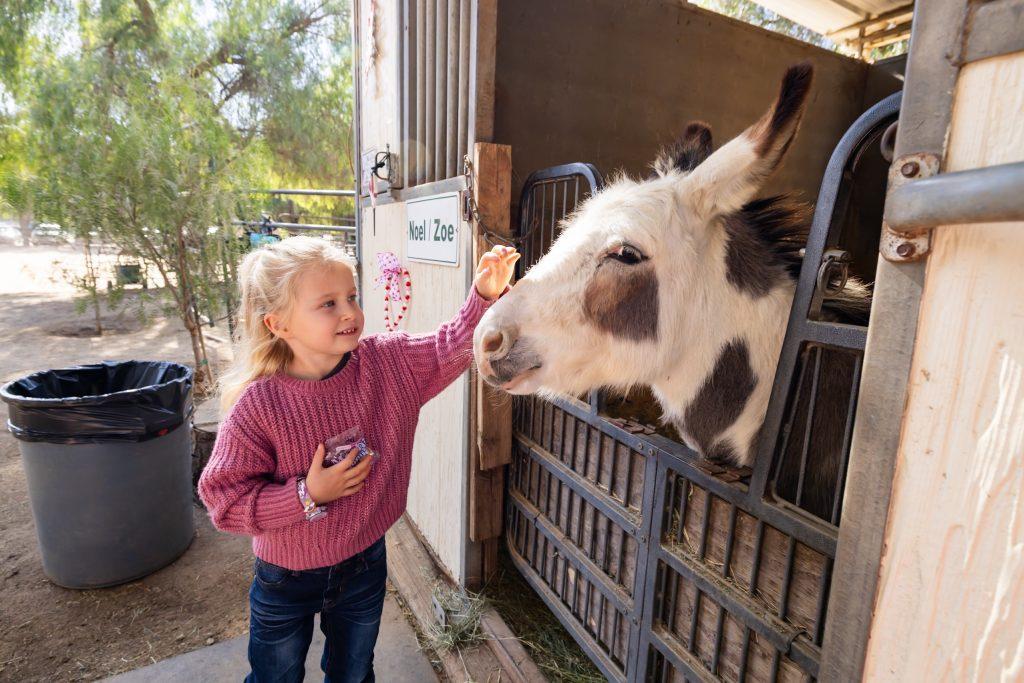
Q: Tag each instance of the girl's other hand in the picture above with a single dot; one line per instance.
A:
(325, 484)
(494, 271)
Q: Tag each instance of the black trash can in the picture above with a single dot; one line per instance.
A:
(108, 458)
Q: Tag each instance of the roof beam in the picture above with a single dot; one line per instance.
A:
(884, 16)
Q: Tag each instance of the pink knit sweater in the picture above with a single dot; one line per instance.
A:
(267, 442)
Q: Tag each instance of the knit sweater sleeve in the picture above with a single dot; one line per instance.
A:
(436, 360)
(237, 484)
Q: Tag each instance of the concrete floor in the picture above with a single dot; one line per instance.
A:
(397, 658)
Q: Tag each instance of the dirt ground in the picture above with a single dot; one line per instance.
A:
(49, 633)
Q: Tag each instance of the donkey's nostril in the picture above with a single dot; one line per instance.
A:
(492, 341)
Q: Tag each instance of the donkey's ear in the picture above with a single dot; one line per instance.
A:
(731, 176)
(686, 153)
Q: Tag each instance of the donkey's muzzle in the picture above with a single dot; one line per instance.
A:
(501, 356)
(492, 346)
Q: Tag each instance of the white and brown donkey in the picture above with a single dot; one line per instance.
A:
(682, 282)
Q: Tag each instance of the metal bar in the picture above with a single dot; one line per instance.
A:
(673, 587)
(646, 573)
(440, 88)
(456, 184)
(798, 393)
(996, 28)
(427, 142)
(993, 194)
(851, 412)
(787, 579)
(808, 426)
(540, 221)
(299, 226)
(823, 587)
(452, 87)
(421, 92)
(706, 523)
(357, 137)
(756, 568)
(691, 636)
(835, 334)
(680, 659)
(729, 540)
(408, 81)
(718, 639)
(923, 126)
(615, 632)
(569, 620)
(628, 491)
(317, 193)
(744, 655)
(684, 499)
(464, 62)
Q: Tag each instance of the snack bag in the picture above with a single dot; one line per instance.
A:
(338, 446)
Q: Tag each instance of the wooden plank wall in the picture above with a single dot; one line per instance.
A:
(950, 604)
(439, 486)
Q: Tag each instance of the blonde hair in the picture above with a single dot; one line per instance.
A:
(267, 278)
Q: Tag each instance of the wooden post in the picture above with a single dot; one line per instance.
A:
(491, 421)
(492, 188)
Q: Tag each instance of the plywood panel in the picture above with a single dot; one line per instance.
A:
(950, 605)
(438, 491)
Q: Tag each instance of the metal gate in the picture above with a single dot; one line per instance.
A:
(663, 566)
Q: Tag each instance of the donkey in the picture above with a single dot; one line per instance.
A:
(682, 282)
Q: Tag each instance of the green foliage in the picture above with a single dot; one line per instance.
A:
(139, 122)
(890, 50)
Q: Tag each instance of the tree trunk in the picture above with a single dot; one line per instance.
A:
(204, 384)
(92, 286)
(25, 226)
(204, 376)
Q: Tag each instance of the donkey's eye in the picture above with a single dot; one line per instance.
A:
(626, 254)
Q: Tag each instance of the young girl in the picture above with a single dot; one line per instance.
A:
(301, 376)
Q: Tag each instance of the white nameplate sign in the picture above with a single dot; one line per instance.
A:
(432, 230)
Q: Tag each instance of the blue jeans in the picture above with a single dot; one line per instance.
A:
(350, 599)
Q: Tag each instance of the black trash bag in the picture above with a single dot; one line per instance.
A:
(109, 401)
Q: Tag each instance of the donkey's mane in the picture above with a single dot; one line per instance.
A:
(779, 225)
(765, 239)
(764, 242)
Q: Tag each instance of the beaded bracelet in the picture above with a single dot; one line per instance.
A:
(309, 506)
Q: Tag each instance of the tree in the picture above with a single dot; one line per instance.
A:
(144, 120)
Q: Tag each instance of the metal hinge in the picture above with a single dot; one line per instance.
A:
(906, 246)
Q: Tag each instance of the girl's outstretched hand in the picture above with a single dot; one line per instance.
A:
(494, 271)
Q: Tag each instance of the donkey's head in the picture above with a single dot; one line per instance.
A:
(679, 282)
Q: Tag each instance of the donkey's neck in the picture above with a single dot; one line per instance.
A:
(715, 390)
